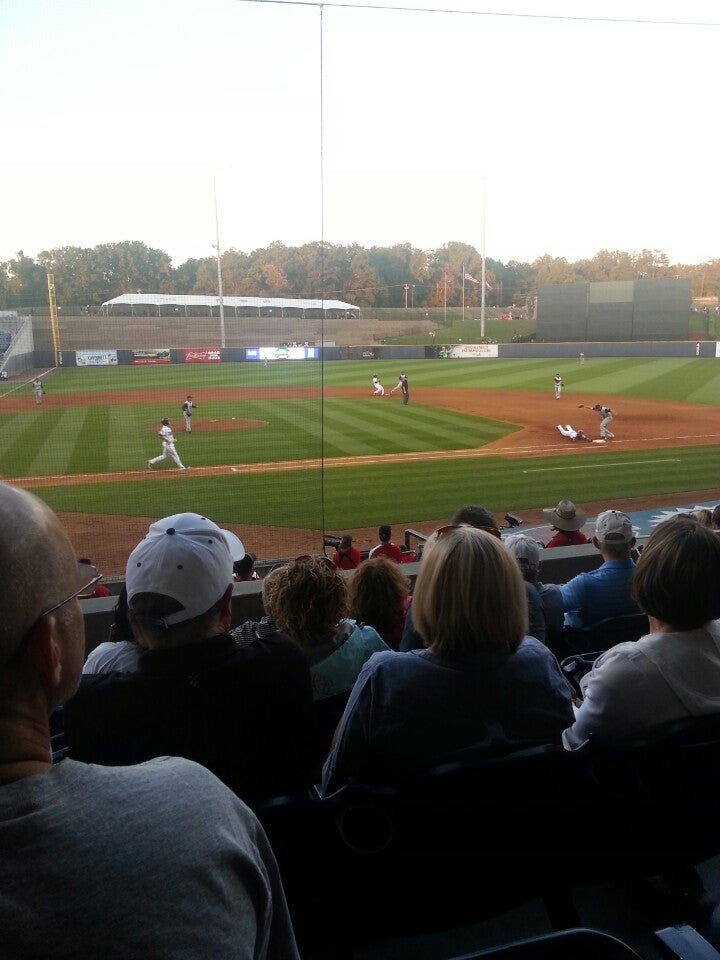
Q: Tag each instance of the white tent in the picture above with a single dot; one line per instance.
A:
(192, 305)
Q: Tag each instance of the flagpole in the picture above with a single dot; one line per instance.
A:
(482, 278)
(463, 275)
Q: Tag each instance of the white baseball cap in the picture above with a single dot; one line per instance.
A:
(235, 545)
(612, 526)
(523, 547)
(185, 557)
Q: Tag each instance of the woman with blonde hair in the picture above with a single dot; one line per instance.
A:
(479, 680)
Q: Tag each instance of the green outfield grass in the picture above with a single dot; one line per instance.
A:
(78, 439)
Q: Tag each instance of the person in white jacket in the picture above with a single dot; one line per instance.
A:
(674, 671)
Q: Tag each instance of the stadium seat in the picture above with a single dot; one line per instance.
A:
(604, 634)
(580, 943)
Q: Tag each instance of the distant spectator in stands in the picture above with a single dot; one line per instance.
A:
(242, 709)
(346, 557)
(566, 520)
(674, 671)
(378, 594)
(716, 517)
(157, 860)
(480, 519)
(481, 680)
(527, 553)
(605, 592)
(244, 569)
(309, 600)
(386, 548)
(704, 517)
(100, 589)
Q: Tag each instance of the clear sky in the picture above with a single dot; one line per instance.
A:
(364, 125)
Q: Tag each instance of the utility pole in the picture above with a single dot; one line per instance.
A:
(407, 287)
(219, 271)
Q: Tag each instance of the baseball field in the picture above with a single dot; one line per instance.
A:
(281, 454)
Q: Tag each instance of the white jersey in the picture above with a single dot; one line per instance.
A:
(166, 434)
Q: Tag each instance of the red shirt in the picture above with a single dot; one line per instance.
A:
(389, 550)
(567, 538)
(347, 558)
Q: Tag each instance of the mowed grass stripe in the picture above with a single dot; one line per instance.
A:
(89, 452)
(394, 492)
(32, 450)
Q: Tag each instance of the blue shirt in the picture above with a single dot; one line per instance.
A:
(408, 711)
(602, 593)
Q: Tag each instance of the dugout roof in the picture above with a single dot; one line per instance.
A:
(192, 305)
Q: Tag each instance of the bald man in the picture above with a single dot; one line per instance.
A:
(82, 846)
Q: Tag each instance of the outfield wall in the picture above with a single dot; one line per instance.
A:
(509, 351)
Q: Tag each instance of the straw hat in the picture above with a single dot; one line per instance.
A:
(565, 516)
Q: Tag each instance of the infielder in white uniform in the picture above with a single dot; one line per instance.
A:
(557, 385)
(378, 387)
(187, 409)
(168, 446)
(567, 431)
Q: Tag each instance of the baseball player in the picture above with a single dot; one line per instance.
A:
(38, 390)
(606, 417)
(567, 431)
(187, 409)
(404, 387)
(557, 385)
(168, 446)
(378, 388)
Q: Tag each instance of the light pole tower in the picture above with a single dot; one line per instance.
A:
(219, 270)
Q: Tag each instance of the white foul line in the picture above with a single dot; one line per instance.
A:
(597, 466)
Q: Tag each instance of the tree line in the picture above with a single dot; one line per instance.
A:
(396, 276)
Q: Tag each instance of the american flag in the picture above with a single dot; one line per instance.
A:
(471, 278)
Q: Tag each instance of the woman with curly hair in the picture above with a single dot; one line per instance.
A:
(309, 601)
(379, 594)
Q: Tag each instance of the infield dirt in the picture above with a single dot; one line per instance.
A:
(639, 424)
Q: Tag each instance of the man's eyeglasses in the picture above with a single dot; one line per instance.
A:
(87, 576)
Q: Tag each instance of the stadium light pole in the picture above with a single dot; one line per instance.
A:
(219, 269)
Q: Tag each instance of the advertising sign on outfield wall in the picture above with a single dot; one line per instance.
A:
(282, 353)
(95, 358)
(161, 355)
(470, 350)
(202, 355)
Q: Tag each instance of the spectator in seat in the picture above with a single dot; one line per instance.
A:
(379, 594)
(346, 557)
(704, 517)
(386, 548)
(674, 671)
(480, 519)
(309, 600)
(716, 517)
(242, 709)
(480, 680)
(120, 651)
(566, 520)
(605, 592)
(527, 552)
(101, 861)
